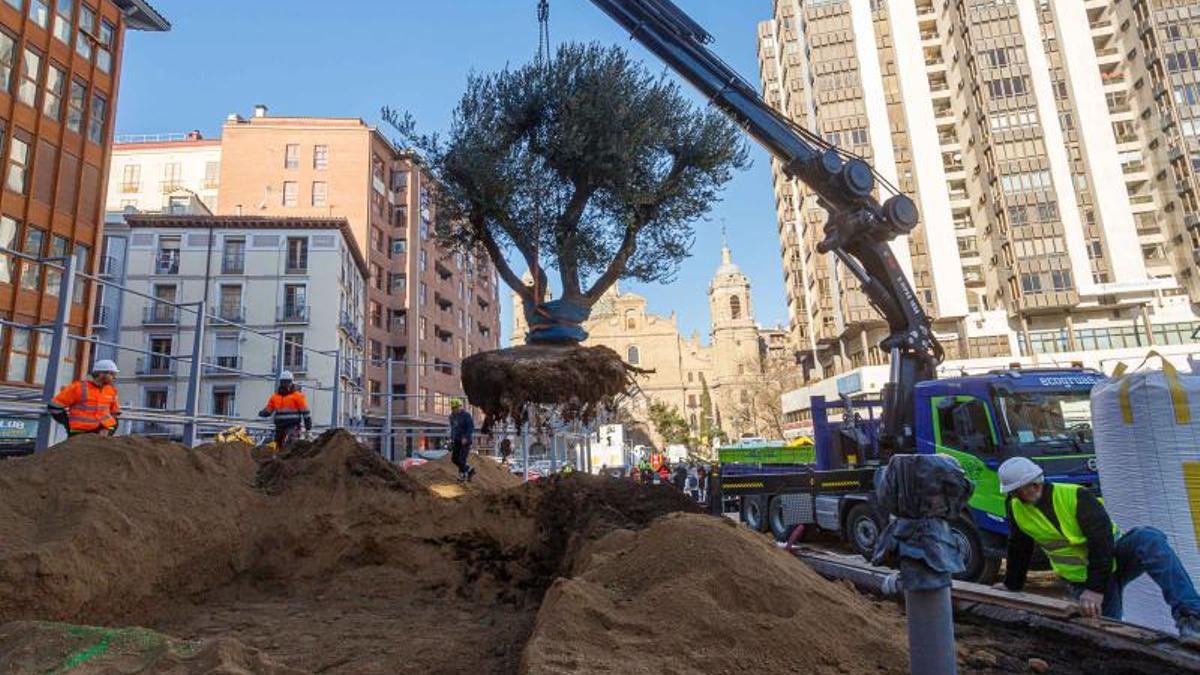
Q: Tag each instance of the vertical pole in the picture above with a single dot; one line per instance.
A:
(47, 429)
(554, 451)
(587, 449)
(190, 433)
(930, 632)
(335, 409)
(278, 358)
(525, 448)
(386, 445)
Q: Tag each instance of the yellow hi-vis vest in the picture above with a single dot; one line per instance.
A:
(1065, 546)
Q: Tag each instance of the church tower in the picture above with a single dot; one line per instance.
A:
(737, 360)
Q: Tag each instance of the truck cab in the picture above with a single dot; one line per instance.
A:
(982, 420)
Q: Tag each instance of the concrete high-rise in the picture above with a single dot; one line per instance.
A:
(1050, 145)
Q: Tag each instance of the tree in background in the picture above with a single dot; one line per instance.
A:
(590, 165)
(669, 423)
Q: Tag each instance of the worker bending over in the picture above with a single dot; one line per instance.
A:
(462, 428)
(89, 406)
(290, 408)
(1086, 549)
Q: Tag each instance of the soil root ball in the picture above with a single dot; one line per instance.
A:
(578, 381)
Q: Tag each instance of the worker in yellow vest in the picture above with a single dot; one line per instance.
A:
(1087, 550)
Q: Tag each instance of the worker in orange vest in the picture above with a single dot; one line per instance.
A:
(290, 408)
(89, 406)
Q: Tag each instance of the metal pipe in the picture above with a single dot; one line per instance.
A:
(336, 406)
(47, 430)
(386, 446)
(525, 447)
(193, 387)
(930, 632)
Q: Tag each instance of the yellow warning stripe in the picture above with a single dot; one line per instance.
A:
(1191, 481)
(840, 483)
(757, 484)
(1179, 402)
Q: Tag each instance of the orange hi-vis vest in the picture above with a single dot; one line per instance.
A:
(89, 406)
(288, 410)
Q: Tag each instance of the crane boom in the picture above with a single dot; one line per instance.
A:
(859, 226)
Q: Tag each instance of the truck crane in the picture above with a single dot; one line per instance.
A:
(979, 420)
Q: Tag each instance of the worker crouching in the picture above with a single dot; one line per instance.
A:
(289, 408)
(89, 406)
(1086, 549)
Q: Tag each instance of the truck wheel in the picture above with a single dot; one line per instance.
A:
(861, 530)
(777, 520)
(754, 513)
(979, 567)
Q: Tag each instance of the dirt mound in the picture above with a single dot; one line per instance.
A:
(95, 527)
(441, 476)
(41, 647)
(578, 381)
(333, 461)
(694, 594)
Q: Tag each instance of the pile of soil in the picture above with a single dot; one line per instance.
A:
(578, 382)
(331, 560)
(441, 474)
(42, 647)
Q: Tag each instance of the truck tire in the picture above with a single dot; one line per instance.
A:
(981, 569)
(861, 530)
(777, 519)
(754, 513)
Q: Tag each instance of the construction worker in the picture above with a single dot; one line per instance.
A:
(89, 406)
(462, 427)
(1087, 550)
(290, 408)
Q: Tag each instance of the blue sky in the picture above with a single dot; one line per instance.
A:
(303, 57)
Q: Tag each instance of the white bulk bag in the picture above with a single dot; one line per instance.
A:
(1147, 433)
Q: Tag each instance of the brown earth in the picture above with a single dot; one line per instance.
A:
(332, 560)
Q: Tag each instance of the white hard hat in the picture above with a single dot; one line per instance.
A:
(105, 366)
(286, 375)
(1018, 472)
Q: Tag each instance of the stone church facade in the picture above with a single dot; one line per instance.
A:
(732, 364)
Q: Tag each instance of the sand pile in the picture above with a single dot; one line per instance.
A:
(693, 594)
(441, 474)
(331, 560)
(40, 647)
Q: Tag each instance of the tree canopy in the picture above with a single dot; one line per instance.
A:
(588, 164)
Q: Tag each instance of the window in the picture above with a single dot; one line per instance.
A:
(233, 255)
(82, 255)
(18, 358)
(230, 307)
(399, 246)
(295, 301)
(1005, 87)
(104, 57)
(18, 165)
(1031, 283)
(421, 328)
(8, 60)
(633, 356)
(225, 351)
(178, 205)
(167, 259)
(320, 193)
(224, 401)
(424, 260)
(31, 69)
(59, 246)
(8, 236)
(32, 246)
(691, 400)
(1047, 212)
(1060, 280)
(630, 320)
(297, 254)
(62, 20)
(376, 276)
(16, 4)
(75, 105)
(289, 193)
(291, 156)
(39, 12)
(320, 157)
(212, 175)
(293, 351)
(98, 118)
(56, 81)
(87, 24)
(397, 284)
(155, 399)
(424, 293)
(735, 308)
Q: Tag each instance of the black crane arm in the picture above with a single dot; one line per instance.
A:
(859, 226)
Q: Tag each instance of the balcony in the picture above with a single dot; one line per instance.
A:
(131, 187)
(233, 264)
(296, 266)
(293, 314)
(234, 313)
(160, 314)
(223, 366)
(109, 266)
(155, 366)
(102, 316)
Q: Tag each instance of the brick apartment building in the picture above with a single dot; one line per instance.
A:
(60, 66)
(425, 306)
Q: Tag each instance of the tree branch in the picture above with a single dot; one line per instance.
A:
(502, 267)
(531, 261)
(567, 235)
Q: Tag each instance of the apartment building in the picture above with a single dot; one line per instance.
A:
(1049, 144)
(162, 173)
(427, 307)
(59, 79)
(269, 282)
